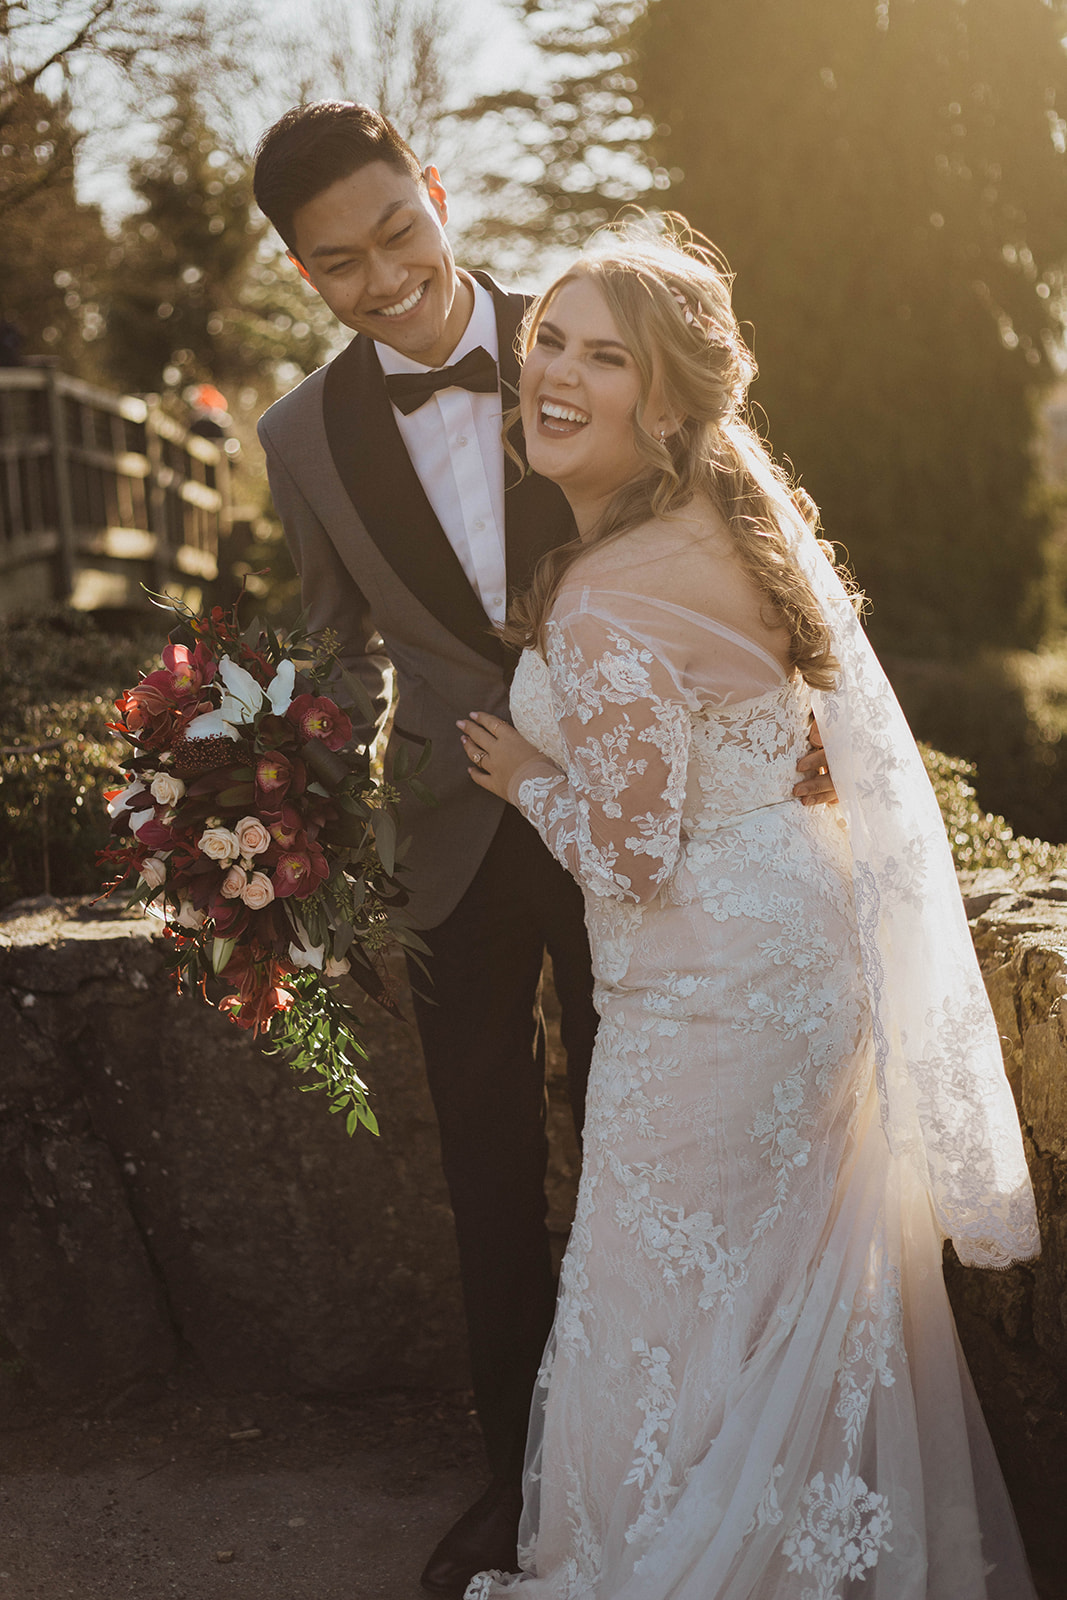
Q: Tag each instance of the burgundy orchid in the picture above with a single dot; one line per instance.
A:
(318, 717)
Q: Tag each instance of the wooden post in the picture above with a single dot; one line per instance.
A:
(57, 427)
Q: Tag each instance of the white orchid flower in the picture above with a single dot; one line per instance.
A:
(245, 696)
(212, 725)
(305, 954)
(139, 818)
(118, 802)
(239, 705)
(280, 693)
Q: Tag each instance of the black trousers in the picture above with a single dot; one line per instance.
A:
(483, 1040)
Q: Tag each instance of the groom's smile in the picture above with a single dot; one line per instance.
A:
(373, 244)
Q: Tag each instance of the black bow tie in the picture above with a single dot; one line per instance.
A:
(409, 390)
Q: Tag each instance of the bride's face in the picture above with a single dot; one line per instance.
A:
(578, 394)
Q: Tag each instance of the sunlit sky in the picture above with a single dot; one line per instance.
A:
(486, 38)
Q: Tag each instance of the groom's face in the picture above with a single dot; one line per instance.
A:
(373, 244)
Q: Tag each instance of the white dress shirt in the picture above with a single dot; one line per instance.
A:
(454, 444)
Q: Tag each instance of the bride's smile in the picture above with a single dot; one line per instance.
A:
(581, 400)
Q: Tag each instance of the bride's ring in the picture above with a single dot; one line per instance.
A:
(477, 758)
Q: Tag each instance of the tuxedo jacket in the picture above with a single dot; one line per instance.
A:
(377, 568)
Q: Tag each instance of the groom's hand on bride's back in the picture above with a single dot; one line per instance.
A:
(816, 786)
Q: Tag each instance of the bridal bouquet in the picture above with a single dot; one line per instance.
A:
(270, 856)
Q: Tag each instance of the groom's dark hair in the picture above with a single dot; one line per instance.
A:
(314, 146)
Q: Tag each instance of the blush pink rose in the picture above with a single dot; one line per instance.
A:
(233, 884)
(167, 789)
(253, 836)
(258, 892)
(219, 844)
(154, 872)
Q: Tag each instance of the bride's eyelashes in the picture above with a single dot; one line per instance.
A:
(606, 358)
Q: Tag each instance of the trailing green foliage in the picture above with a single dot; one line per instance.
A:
(316, 1035)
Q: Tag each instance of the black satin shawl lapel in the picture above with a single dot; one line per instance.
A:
(384, 487)
(536, 514)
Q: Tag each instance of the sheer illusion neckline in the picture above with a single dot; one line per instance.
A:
(589, 594)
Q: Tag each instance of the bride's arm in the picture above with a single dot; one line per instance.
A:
(612, 815)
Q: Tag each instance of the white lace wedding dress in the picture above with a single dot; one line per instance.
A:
(753, 1389)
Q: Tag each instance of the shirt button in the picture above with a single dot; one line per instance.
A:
(462, 440)
(479, 526)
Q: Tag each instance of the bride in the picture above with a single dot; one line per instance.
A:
(753, 1386)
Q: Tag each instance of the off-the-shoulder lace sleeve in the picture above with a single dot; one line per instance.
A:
(613, 816)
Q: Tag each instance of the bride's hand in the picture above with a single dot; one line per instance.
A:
(816, 787)
(495, 750)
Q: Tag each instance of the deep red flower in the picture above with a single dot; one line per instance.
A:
(258, 994)
(274, 775)
(149, 711)
(318, 717)
(286, 829)
(189, 669)
(155, 834)
(300, 872)
(256, 1010)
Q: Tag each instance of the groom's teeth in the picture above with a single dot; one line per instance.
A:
(562, 413)
(403, 305)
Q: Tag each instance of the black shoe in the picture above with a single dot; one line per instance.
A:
(483, 1538)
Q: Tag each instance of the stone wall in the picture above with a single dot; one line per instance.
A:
(164, 1184)
(165, 1188)
(1013, 1325)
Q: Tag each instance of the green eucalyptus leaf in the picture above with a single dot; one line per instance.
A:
(361, 700)
(401, 762)
(385, 839)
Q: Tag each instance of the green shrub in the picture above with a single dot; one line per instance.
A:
(978, 838)
(60, 673)
(1006, 713)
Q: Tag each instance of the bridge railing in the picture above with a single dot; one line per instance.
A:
(101, 494)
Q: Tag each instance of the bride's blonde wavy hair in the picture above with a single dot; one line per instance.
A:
(669, 293)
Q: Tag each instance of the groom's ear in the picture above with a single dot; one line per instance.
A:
(436, 191)
(300, 267)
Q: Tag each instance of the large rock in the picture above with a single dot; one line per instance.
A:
(164, 1181)
(1013, 1324)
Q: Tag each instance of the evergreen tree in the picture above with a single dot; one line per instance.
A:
(196, 291)
(888, 181)
(889, 184)
(53, 250)
(559, 160)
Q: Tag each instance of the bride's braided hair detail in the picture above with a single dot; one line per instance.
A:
(670, 296)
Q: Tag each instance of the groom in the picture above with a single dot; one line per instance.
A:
(411, 532)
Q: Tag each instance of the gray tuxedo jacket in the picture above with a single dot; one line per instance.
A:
(377, 568)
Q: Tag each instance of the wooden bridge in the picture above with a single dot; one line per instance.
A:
(99, 495)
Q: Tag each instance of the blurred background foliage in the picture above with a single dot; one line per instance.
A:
(887, 179)
(59, 676)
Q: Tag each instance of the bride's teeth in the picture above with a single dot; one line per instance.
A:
(403, 305)
(562, 413)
